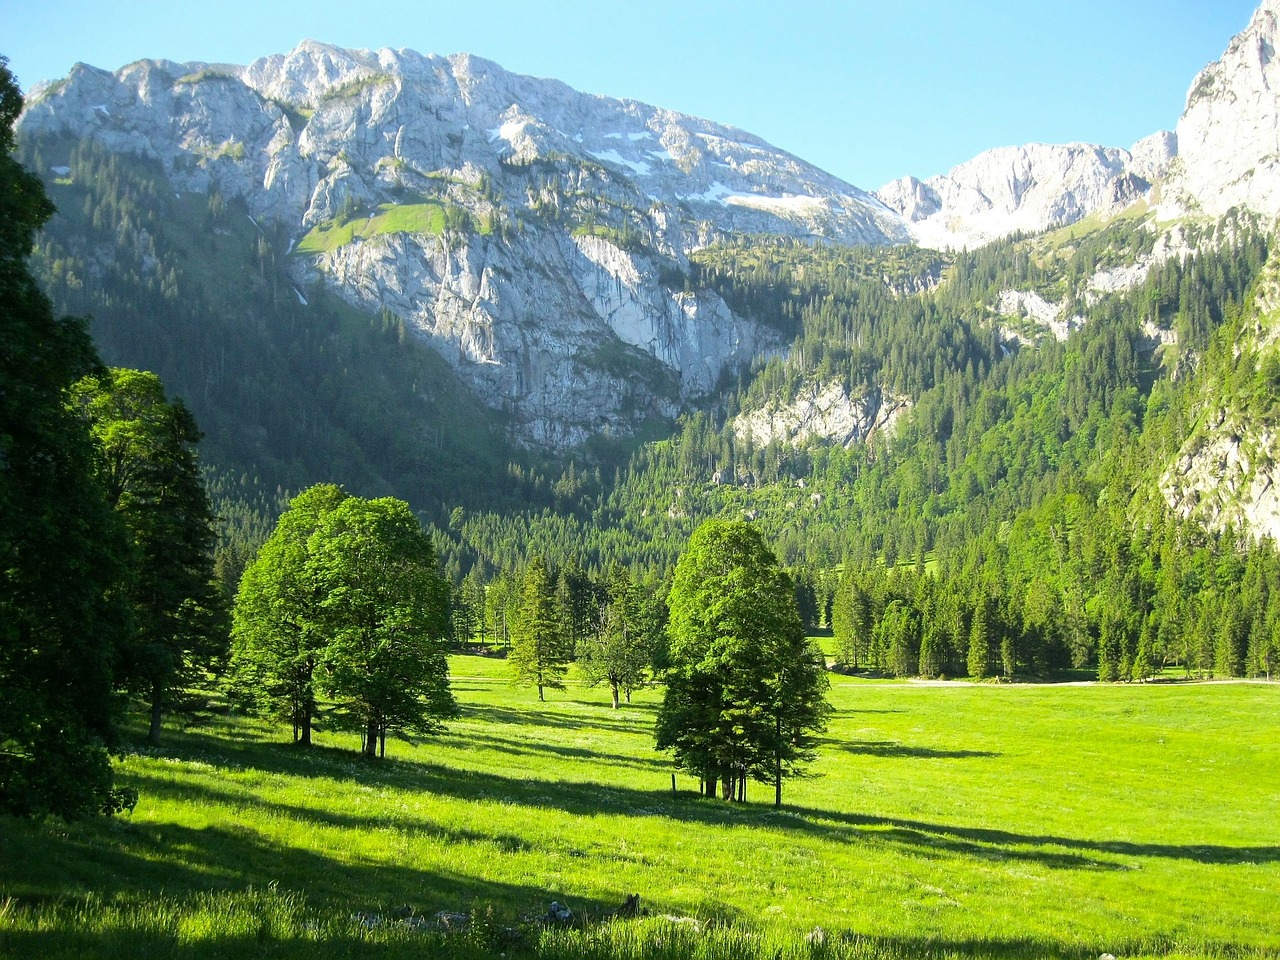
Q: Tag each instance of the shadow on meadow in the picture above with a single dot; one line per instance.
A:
(1004, 844)
(892, 749)
(47, 865)
(651, 796)
(514, 746)
(602, 718)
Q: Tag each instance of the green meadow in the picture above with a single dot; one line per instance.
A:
(426, 218)
(940, 821)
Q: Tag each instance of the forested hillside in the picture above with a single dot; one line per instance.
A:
(1011, 472)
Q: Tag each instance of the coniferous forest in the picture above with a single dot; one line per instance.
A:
(1021, 484)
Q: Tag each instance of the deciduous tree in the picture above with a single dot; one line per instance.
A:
(745, 691)
(277, 646)
(384, 617)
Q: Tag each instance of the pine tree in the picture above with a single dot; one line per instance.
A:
(979, 641)
(539, 655)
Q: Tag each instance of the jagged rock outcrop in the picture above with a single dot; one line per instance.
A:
(1029, 188)
(1037, 313)
(823, 412)
(555, 283)
(1229, 133)
(1227, 473)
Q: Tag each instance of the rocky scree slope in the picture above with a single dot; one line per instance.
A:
(534, 235)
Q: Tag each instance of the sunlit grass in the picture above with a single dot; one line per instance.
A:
(968, 820)
(425, 218)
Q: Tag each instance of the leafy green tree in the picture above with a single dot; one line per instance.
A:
(147, 463)
(277, 645)
(621, 650)
(63, 552)
(745, 691)
(539, 652)
(383, 614)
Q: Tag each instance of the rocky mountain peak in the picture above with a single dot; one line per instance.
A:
(1027, 188)
(311, 70)
(1229, 133)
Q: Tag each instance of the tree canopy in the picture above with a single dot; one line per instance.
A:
(745, 690)
(146, 461)
(62, 551)
(345, 600)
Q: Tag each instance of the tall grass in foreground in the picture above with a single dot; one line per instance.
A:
(270, 924)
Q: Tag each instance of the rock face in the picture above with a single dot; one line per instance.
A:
(1227, 474)
(556, 284)
(1229, 134)
(824, 412)
(1029, 188)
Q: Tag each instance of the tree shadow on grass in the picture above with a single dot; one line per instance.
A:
(144, 859)
(892, 748)
(590, 798)
(1004, 844)
(513, 746)
(610, 721)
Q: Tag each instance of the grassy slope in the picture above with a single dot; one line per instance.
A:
(1001, 821)
(425, 218)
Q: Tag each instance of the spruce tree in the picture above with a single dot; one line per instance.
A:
(539, 654)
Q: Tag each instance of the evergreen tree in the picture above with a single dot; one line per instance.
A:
(979, 657)
(147, 462)
(63, 551)
(539, 653)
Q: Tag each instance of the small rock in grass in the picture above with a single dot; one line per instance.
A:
(559, 913)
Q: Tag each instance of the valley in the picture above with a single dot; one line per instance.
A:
(567, 474)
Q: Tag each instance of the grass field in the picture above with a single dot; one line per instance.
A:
(963, 820)
(391, 218)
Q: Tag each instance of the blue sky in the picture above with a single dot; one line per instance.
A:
(867, 90)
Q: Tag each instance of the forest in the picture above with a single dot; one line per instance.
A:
(1019, 486)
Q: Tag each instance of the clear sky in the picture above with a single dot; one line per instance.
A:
(867, 89)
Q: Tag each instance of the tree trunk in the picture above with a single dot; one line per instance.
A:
(728, 786)
(777, 762)
(308, 705)
(371, 740)
(153, 735)
(613, 688)
(540, 696)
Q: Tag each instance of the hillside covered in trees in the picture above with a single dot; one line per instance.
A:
(1014, 472)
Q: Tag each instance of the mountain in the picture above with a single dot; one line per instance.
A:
(537, 237)
(1027, 189)
(1223, 154)
(1229, 134)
